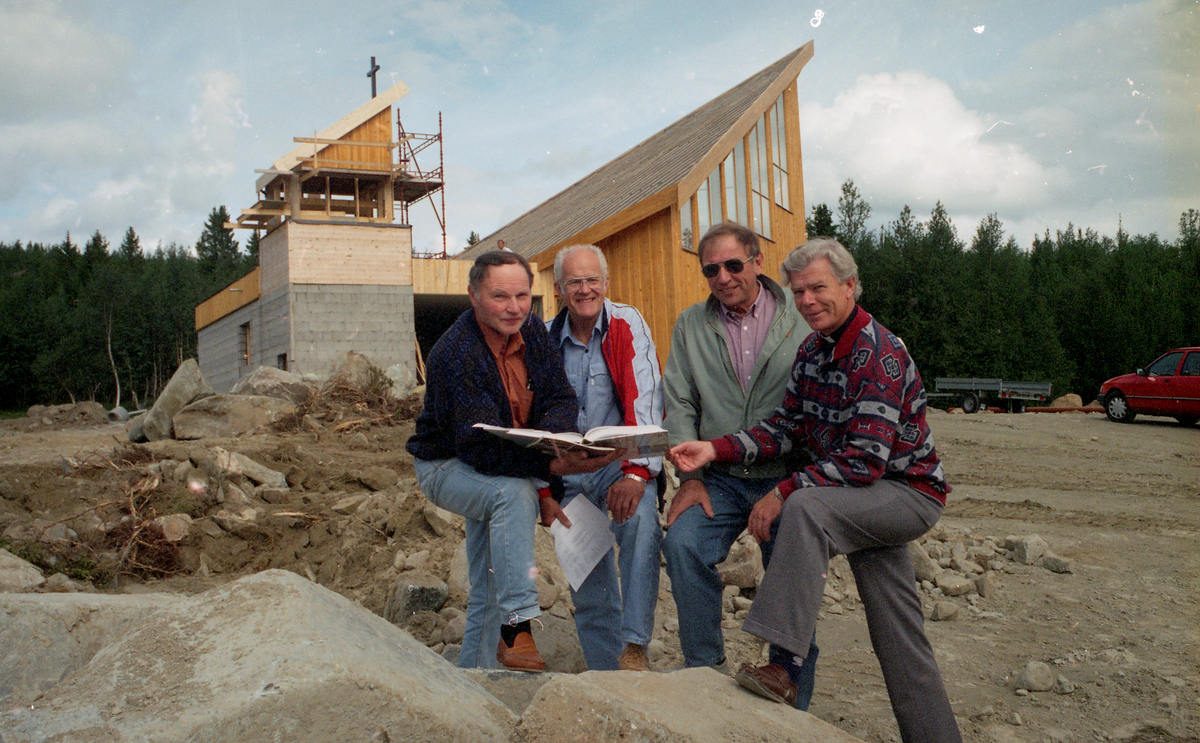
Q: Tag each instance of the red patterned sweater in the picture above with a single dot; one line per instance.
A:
(859, 406)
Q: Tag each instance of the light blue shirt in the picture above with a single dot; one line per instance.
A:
(589, 377)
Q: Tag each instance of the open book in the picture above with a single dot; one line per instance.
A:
(632, 441)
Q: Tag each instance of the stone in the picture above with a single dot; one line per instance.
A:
(443, 522)
(378, 478)
(358, 372)
(699, 705)
(1069, 400)
(985, 586)
(17, 575)
(237, 519)
(360, 442)
(1028, 550)
(548, 592)
(944, 611)
(1063, 685)
(174, 527)
(414, 593)
(186, 384)
(404, 380)
(349, 504)
(953, 584)
(1056, 564)
(272, 382)
(225, 416)
(233, 463)
(1036, 676)
(208, 668)
(417, 560)
(923, 564)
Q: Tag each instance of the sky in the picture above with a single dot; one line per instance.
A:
(1046, 114)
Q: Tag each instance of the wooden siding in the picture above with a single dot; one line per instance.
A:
(378, 128)
(273, 259)
(235, 296)
(348, 254)
(436, 276)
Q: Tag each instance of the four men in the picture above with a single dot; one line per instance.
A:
(815, 442)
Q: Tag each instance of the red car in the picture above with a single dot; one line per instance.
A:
(1170, 385)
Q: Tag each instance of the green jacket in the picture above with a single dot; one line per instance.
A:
(701, 393)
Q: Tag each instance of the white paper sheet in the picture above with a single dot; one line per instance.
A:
(589, 539)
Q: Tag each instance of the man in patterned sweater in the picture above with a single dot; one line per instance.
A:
(855, 399)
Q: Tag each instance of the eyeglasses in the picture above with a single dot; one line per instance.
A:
(591, 282)
(733, 265)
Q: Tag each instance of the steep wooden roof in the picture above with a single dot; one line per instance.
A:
(670, 165)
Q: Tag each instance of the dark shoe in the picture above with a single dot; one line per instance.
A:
(522, 656)
(770, 681)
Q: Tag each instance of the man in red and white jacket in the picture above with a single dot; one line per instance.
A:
(611, 363)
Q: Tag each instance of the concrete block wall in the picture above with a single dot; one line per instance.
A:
(328, 320)
(220, 344)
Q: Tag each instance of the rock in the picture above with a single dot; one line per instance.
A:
(923, 564)
(694, 704)
(414, 593)
(359, 442)
(1056, 564)
(175, 527)
(417, 560)
(237, 519)
(953, 584)
(443, 522)
(225, 416)
(1028, 550)
(203, 675)
(985, 586)
(1069, 400)
(349, 504)
(233, 463)
(45, 637)
(17, 575)
(186, 384)
(744, 574)
(1063, 685)
(1035, 676)
(944, 611)
(272, 382)
(548, 592)
(458, 579)
(404, 380)
(378, 478)
(358, 372)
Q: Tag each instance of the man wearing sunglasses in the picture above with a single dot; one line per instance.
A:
(730, 361)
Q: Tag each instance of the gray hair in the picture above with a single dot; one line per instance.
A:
(840, 260)
(562, 256)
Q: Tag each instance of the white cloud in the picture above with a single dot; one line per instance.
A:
(52, 63)
(907, 139)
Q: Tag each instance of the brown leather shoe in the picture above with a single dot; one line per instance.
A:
(523, 655)
(634, 658)
(770, 681)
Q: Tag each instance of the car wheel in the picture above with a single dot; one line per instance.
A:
(1187, 420)
(1117, 409)
(970, 403)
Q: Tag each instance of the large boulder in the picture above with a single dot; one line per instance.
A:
(223, 416)
(272, 382)
(697, 705)
(17, 575)
(358, 372)
(187, 384)
(45, 637)
(269, 657)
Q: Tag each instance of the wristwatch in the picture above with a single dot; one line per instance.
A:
(631, 476)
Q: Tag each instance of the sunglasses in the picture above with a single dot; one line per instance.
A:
(733, 265)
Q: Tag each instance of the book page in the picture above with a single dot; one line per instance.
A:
(582, 546)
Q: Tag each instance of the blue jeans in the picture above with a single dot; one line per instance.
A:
(609, 616)
(693, 546)
(501, 513)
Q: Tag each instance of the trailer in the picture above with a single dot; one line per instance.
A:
(1015, 395)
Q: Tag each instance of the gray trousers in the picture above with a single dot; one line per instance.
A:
(872, 526)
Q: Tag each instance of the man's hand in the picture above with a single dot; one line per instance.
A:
(764, 513)
(692, 455)
(578, 462)
(624, 497)
(551, 512)
(690, 493)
